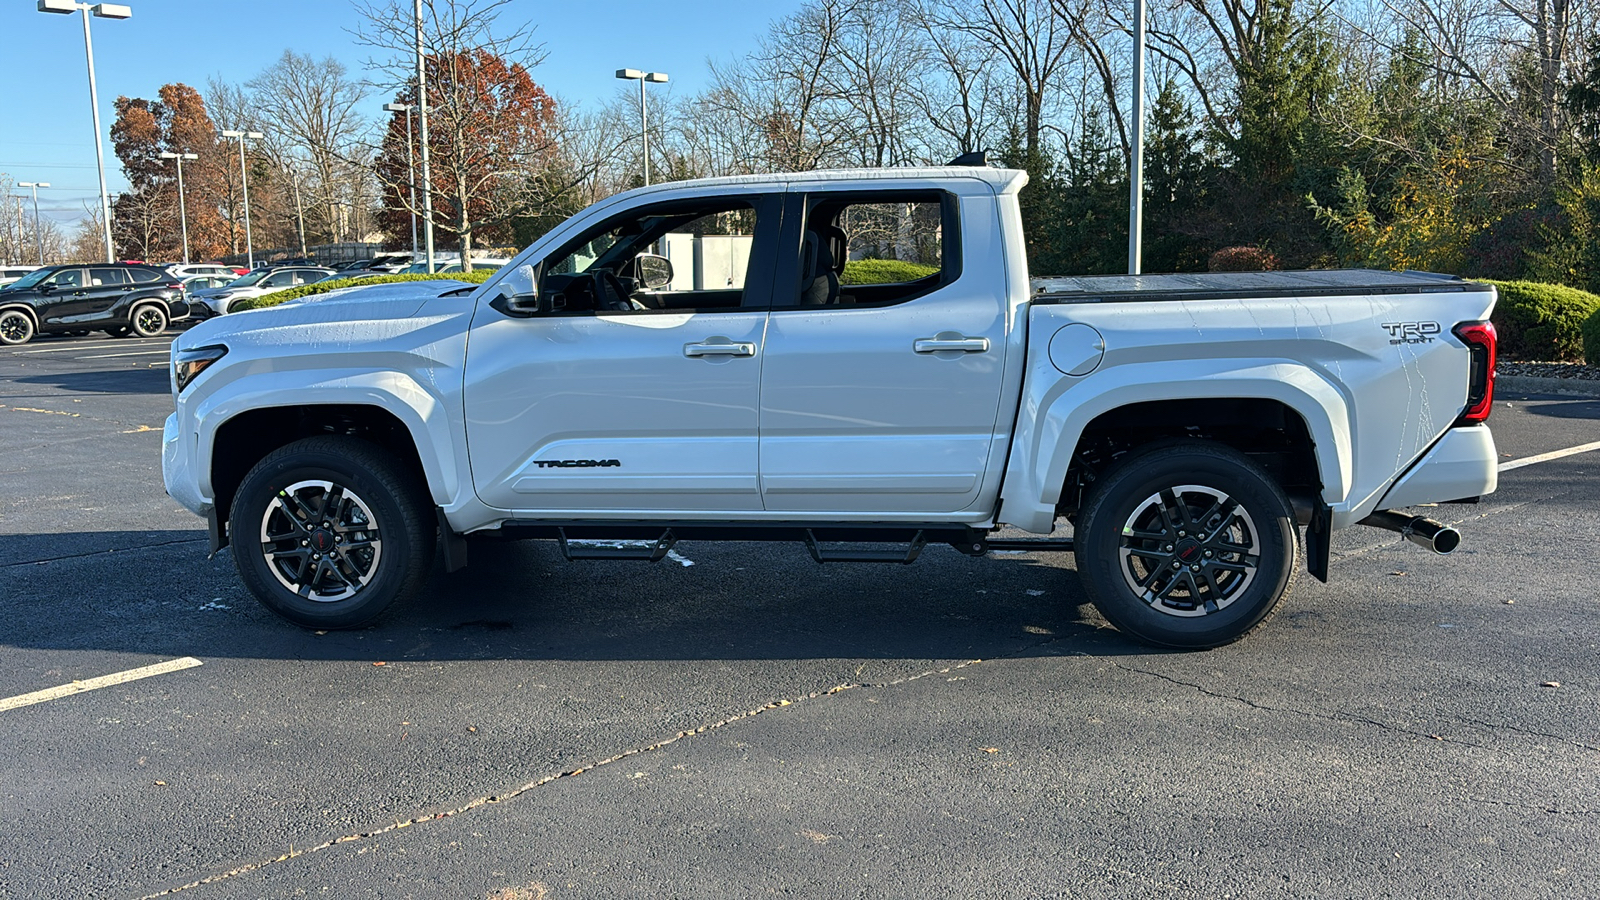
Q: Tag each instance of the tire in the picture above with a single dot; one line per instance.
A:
(356, 576)
(148, 320)
(15, 328)
(1206, 508)
(118, 331)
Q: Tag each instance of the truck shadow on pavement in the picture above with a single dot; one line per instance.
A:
(113, 381)
(157, 593)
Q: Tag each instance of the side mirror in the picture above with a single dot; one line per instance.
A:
(655, 272)
(47, 288)
(526, 306)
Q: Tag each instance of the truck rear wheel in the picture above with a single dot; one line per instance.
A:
(329, 532)
(1189, 546)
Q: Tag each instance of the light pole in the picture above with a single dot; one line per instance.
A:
(644, 122)
(183, 209)
(38, 240)
(411, 169)
(244, 184)
(1136, 156)
(422, 119)
(102, 11)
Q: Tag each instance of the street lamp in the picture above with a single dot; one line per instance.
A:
(38, 240)
(183, 210)
(244, 183)
(102, 11)
(411, 169)
(422, 127)
(1136, 156)
(644, 126)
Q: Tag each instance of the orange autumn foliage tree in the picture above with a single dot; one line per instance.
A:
(491, 134)
(145, 218)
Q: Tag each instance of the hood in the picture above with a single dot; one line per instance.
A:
(353, 314)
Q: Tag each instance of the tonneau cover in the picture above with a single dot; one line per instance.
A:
(1226, 285)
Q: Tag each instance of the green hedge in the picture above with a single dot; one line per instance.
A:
(1545, 322)
(1591, 339)
(476, 276)
(883, 271)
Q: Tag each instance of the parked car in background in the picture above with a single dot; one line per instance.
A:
(217, 301)
(189, 270)
(192, 283)
(452, 266)
(119, 299)
(9, 274)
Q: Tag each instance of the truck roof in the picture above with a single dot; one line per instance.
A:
(1241, 285)
(1003, 180)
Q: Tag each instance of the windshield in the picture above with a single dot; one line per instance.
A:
(30, 279)
(248, 280)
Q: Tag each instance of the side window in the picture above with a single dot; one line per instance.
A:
(675, 256)
(144, 276)
(68, 278)
(279, 279)
(876, 249)
(108, 277)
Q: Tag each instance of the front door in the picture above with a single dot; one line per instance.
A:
(616, 397)
(883, 371)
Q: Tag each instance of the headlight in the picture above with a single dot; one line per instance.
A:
(188, 364)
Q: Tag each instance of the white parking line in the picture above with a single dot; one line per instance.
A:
(1546, 457)
(78, 687)
(81, 347)
(163, 352)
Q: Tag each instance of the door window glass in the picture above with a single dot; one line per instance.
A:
(68, 278)
(708, 247)
(144, 276)
(875, 249)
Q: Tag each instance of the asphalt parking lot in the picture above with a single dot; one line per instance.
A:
(741, 722)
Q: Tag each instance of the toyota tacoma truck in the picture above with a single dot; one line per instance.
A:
(858, 361)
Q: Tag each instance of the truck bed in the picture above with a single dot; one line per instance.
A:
(1239, 285)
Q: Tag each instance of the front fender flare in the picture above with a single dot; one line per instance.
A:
(423, 414)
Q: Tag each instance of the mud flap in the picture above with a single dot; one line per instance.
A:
(453, 545)
(1319, 542)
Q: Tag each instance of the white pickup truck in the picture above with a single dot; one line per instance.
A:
(855, 360)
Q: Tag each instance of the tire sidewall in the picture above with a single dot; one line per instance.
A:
(282, 469)
(1136, 479)
(27, 336)
(133, 320)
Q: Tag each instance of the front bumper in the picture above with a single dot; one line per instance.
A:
(178, 470)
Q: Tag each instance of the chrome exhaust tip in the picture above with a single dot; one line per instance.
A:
(1424, 532)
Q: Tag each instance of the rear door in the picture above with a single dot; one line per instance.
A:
(884, 355)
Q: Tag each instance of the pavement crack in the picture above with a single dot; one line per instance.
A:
(492, 799)
(1341, 718)
(1506, 726)
(51, 559)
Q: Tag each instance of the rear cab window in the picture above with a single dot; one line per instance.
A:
(870, 248)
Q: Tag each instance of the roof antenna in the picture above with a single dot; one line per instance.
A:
(972, 158)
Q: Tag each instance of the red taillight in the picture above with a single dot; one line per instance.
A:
(175, 286)
(1479, 338)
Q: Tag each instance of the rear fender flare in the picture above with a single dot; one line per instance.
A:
(1044, 448)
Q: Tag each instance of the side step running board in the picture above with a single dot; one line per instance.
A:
(594, 548)
(906, 557)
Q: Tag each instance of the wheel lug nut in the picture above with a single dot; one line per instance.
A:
(316, 556)
(1194, 568)
(1208, 554)
(1169, 548)
(304, 542)
(1176, 564)
(1181, 534)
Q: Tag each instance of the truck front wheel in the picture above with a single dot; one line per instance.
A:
(1189, 545)
(329, 532)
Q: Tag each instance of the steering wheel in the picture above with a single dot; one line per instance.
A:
(609, 293)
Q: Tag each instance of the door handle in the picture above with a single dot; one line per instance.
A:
(938, 344)
(719, 347)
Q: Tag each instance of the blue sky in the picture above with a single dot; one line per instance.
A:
(45, 132)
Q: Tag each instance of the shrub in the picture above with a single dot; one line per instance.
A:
(884, 271)
(476, 276)
(1591, 339)
(1542, 322)
(1242, 259)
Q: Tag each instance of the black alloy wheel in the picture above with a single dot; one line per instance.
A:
(15, 327)
(329, 532)
(1187, 545)
(148, 320)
